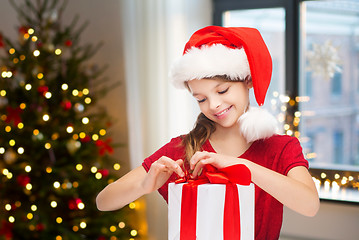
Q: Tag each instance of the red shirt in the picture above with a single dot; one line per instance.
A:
(279, 153)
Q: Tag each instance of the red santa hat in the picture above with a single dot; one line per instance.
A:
(236, 52)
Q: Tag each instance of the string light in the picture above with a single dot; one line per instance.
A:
(46, 117)
(70, 129)
(83, 225)
(12, 142)
(36, 53)
(56, 185)
(58, 51)
(53, 204)
(2, 150)
(59, 220)
(7, 207)
(79, 167)
(31, 31)
(85, 120)
(121, 225)
(28, 168)
(28, 186)
(116, 166)
(64, 86)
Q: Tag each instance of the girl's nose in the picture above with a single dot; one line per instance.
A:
(215, 103)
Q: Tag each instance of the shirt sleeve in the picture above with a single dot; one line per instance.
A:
(173, 150)
(292, 156)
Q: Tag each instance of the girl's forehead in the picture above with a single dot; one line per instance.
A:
(199, 86)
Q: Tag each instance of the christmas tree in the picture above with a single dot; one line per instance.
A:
(55, 145)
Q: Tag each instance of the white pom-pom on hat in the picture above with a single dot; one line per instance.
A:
(257, 123)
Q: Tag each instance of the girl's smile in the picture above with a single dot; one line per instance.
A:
(224, 113)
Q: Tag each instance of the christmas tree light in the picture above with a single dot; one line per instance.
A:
(55, 150)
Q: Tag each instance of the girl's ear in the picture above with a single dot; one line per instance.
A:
(249, 82)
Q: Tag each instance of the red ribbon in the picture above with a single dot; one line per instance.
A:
(232, 175)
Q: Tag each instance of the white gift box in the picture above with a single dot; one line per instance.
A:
(210, 209)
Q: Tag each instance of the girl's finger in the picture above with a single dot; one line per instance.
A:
(197, 157)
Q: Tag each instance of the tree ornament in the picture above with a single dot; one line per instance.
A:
(104, 172)
(68, 43)
(1, 41)
(23, 180)
(66, 105)
(6, 229)
(10, 156)
(104, 146)
(42, 90)
(72, 146)
(86, 139)
(23, 30)
(79, 107)
(13, 115)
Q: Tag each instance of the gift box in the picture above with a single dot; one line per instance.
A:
(210, 211)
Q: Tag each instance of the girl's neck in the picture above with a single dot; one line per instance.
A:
(229, 141)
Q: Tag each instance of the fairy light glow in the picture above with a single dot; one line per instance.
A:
(56, 185)
(59, 220)
(79, 167)
(83, 225)
(36, 53)
(116, 166)
(58, 51)
(53, 204)
(69, 129)
(33, 208)
(64, 86)
(48, 95)
(28, 168)
(7, 207)
(28, 186)
(46, 117)
(12, 142)
(85, 120)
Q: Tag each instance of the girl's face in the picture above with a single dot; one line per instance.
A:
(221, 101)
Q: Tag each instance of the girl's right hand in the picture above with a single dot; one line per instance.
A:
(160, 172)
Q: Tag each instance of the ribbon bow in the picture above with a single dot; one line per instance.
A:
(232, 175)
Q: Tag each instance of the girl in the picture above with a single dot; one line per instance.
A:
(218, 67)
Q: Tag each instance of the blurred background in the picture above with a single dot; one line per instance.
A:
(314, 94)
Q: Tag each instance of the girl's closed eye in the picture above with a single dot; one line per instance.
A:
(224, 91)
(201, 100)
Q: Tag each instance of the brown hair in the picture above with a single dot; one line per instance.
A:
(201, 132)
(204, 127)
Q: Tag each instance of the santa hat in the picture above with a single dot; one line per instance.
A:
(236, 52)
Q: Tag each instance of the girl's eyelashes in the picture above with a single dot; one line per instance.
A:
(224, 91)
(201, 100)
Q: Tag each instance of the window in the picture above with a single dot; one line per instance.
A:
(315, 50)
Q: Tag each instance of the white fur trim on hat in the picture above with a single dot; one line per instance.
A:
(209, 61)
(257, 123)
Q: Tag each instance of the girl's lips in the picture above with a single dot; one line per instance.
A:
(222, 114)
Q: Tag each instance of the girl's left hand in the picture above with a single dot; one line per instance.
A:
(202, 158)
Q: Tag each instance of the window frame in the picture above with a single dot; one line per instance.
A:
(292, 58)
